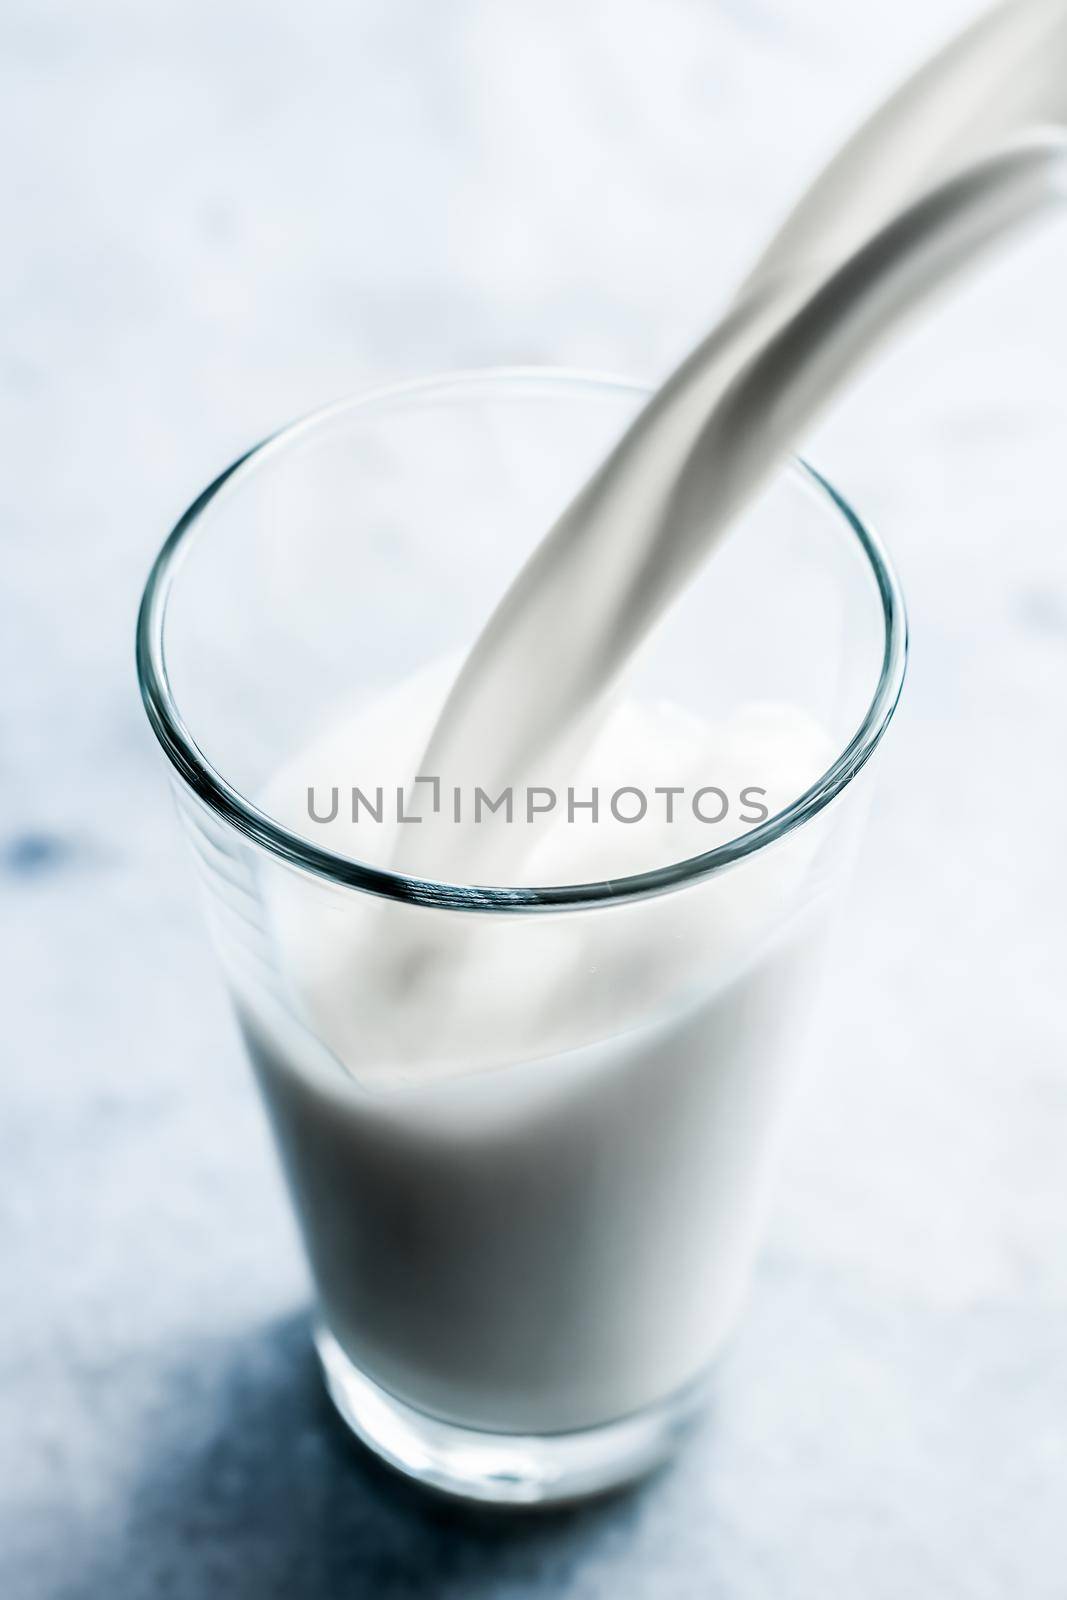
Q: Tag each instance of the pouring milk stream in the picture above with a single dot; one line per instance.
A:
(919, 191)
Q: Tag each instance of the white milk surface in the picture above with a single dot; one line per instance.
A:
(529, 1153)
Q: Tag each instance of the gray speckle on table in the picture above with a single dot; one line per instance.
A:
(217, 217)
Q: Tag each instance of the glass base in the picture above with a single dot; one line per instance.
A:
(499, 1468)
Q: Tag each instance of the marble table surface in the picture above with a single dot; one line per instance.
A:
(218, 216)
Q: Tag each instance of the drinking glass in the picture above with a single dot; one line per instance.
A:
(529, 1219)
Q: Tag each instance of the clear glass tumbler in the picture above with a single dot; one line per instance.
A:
(529, 1219)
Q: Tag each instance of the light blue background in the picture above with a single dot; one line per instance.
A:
(218, 215)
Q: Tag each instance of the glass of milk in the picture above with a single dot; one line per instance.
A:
(528, 1124)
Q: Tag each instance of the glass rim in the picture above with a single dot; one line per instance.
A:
(213, 789)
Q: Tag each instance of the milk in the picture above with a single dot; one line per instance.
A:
(529, 1153)
(530, 1172)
